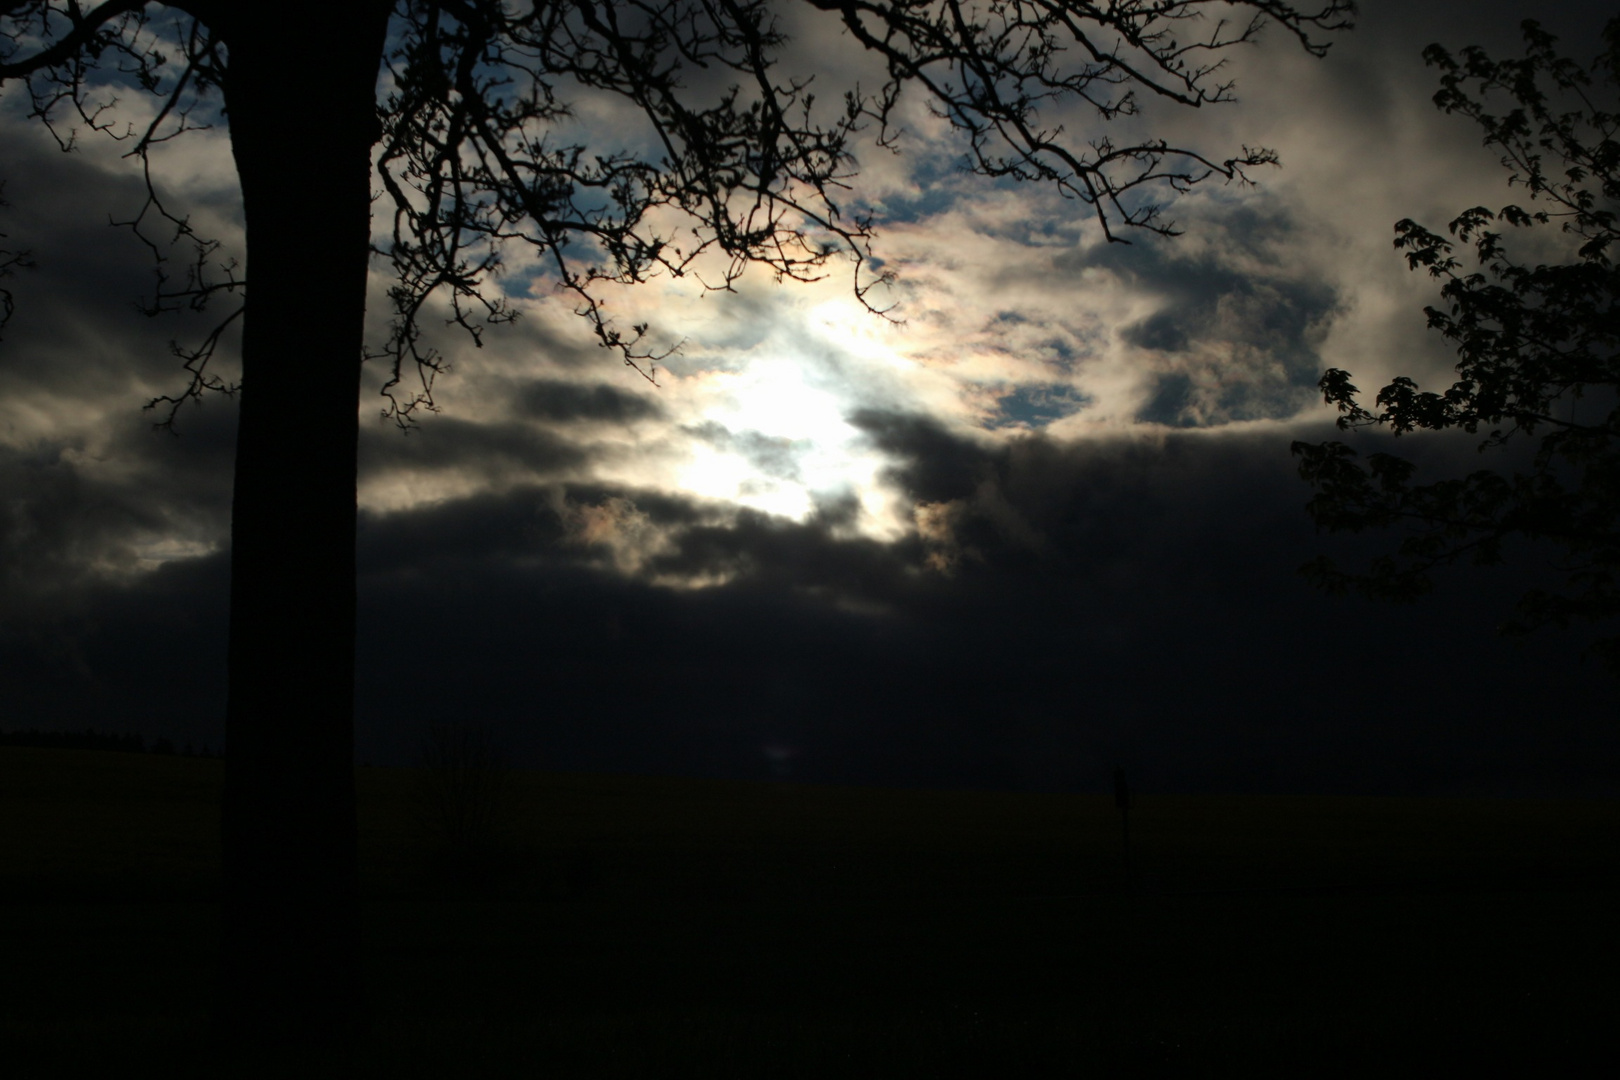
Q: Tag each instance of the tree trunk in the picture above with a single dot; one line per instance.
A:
(300, 97)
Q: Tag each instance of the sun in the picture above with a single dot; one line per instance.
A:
(777, 438)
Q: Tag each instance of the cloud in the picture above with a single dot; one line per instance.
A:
(450, 455)
(558, 401)
(1043, 521)
(774, 456)
(1133, 596)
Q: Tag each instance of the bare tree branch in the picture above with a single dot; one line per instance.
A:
(754, 173)
(10, 262)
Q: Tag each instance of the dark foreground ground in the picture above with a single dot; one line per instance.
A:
(636, 927)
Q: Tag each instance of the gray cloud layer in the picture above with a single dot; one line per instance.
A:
(1126, 600)
(1091, 525)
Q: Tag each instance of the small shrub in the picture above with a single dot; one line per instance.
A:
(464, 802)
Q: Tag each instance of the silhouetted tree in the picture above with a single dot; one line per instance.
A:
(1537, 347)
(454, 113)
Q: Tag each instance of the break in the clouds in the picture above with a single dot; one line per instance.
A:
(1037, 517)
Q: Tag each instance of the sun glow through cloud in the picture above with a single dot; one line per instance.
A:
(777, 439)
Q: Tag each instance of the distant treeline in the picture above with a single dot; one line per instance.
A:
(101, 740)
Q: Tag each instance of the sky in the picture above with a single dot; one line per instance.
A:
(1041, 521)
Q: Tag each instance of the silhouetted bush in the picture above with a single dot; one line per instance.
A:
(75, 740)
(464, 802)
(88, 739)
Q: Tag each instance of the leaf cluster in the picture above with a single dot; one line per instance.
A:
(1537, 347)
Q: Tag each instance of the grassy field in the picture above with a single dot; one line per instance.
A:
(643, 927)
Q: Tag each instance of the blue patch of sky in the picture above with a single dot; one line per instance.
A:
(113, 82)
(1037, 405)
(1060, 354)
(937, 177)
(943, 180)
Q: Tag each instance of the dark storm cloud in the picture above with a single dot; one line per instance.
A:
(814, 559)
(55, 523)
(455, 443)
(1491, 23)
(1127, 600)
(68, 519)
(555, 400)
(1131, 600)
(77, 319)
(92, 494)
(523, 525)
(145, 654)
(1141, 517)
(938, 465)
